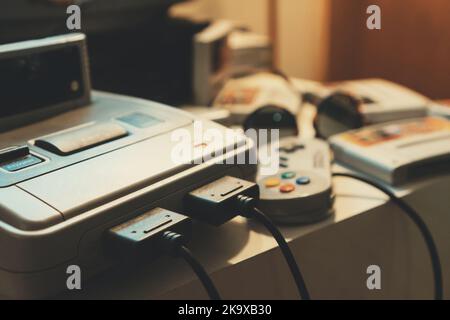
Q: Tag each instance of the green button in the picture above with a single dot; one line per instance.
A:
(288, 175)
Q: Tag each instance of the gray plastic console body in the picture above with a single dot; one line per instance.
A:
(55, 213)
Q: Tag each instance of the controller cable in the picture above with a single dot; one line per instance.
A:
(418, 221)
(249, 210)
(180, 250)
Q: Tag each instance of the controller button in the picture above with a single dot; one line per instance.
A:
(287, 188)
(284, 159)
(303, 180)
(284, 165)
(288, 175)
(272, 182)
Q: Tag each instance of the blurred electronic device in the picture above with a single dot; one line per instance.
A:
(397, 152)
(158, 68)
(272, 117)
(249, 50)
(86, 164)
(209, 62)
(42, 78)
(354, 104)
(222, 49)
(244, 95)
(301, 191)
(440, 108)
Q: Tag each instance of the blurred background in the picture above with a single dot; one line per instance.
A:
(327, 40)
(148, 44)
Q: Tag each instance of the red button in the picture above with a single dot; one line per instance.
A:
(287, 188)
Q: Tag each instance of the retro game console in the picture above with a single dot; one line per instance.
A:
(397, 152)
(221, 50)
(85, 162)
(210, 47)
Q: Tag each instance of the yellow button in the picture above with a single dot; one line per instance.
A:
(272, 182)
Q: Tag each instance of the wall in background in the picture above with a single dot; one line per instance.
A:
(328, 39)
(252, 13)
(412, 48)
(303, 37)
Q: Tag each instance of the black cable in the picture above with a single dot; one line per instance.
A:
(287, 253)
(415, 217)
(200, 272)
(177, 241)
(250, 211)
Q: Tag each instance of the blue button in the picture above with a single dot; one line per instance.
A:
(303, 180)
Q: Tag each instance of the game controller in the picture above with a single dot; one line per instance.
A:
(301, 191)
